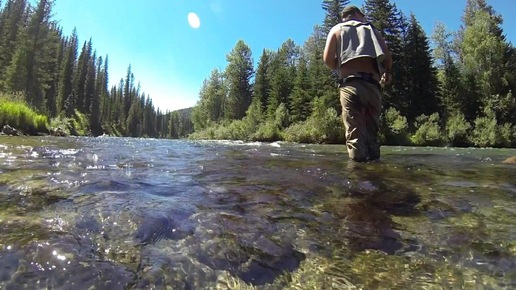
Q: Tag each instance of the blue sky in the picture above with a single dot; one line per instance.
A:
(170, 59)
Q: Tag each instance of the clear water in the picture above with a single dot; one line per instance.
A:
(120, 213)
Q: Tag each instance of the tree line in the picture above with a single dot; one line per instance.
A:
(452, 88)
(46, 69)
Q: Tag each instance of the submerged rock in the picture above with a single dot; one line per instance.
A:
(510, 160)
(174, 225)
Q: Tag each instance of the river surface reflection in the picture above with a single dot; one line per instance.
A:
(121, 213)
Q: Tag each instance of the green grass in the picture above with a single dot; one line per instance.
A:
(17, 114)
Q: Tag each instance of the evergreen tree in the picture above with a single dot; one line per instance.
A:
(118, 105)
(333, 9)
(127, 99)
(300, 107)
(149, 118)
(106, 96)
(54, 66)
(210, 107)
(175, 125)
(282, 76)
(134, 126)
(97, 100)
(89, 83)
(392, 25)
(66, 98)
(79, 81)
(239, 72)
(322, 81)
(12, 20)
(40, 50)
(423, 86)
(16, 73)
(262, 82)
(486, 56)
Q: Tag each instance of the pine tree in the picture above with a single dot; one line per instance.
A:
(89, 83)
(333, 9)
(117, 114)
(282, 77)
(300, 107)
(215, 97)
(51, 93)
(239, 72)
(66, 95)
(97, 100)
(133, 124)
(322, 81)
(422, 89)
(127, 99)
(174, 125)
(79, 80)
(393, 26)
(149, 118)
(210, 107)
(106, 95)
(40, 48)
(15, 77)
(262, 82)
(13, 18)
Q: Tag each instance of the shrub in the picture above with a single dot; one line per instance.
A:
(457, 129)
(237, 130)
(267, 132)
(81, 125)
(484, 134)
(506, 135)
(324, 126)
(428, 131)
(393, 128)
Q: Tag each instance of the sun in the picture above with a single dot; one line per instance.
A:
(194, 20)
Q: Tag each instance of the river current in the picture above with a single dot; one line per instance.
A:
(122, 213)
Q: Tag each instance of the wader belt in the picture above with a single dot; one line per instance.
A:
(367, 77)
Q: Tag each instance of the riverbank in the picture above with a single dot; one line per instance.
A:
(17, 118)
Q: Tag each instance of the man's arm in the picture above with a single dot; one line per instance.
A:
(330, 50)
(387, 61)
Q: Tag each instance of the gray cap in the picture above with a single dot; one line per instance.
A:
(351, 9)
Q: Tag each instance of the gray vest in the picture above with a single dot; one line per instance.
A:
(358, 39)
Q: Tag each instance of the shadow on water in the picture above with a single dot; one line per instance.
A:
(364, 204)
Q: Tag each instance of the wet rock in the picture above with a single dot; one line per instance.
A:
(510, 160)
(58, 132)
(436, 210)
(170, 226)
(8, 130)
(10, 263)
(265, 267)
(88, 224)
(253, 258)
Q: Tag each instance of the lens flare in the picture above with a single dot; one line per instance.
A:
(194, 20)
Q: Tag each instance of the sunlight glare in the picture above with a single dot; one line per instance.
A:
(194, 20)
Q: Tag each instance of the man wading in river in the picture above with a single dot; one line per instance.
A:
(357, 50)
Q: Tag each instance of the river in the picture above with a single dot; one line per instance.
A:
(122, 213)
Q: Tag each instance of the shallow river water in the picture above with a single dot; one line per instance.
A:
(121, 213)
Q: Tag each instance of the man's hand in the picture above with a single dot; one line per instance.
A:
(386, 78)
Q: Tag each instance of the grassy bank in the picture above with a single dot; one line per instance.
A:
(19, 115)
